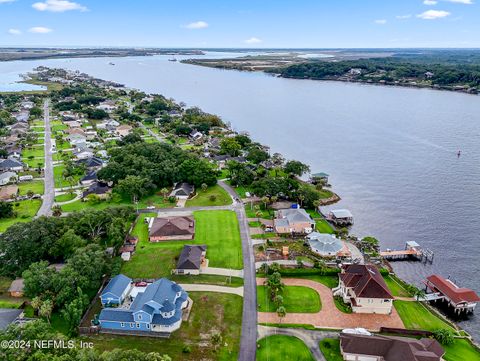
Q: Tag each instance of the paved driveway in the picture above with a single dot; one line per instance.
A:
(329, 316)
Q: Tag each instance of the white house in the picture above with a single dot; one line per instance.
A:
(7, 177)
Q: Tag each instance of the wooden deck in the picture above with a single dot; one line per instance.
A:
(406, 252)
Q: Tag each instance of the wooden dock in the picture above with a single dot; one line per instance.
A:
(412, 251)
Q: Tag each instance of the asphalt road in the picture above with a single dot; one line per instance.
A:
(49, 184)
(248, 341)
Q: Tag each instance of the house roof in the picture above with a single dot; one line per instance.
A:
(117, 285)
(7, 175)
(341, 213)
(7, 316)
(366, 281)
(324, 243)
(182, 189)
(294, 215)
(116, 314)
(10, 163)
(91, 162)
(191, 257)
(97, 188)
(92, 175)
(160, 296)
(452, 291)
(172, 226)
(320, 175)
(392, 348)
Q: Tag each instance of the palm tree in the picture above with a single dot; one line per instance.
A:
(265, 201)
(204, 187)
(281, 312)
(164, 192)
(216, 339)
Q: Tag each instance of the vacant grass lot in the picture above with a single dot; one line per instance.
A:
(285, 348)
(202, 198)
(34, 186)
(60, 182)
(25, 210)
(416, 316)
(295, 299)
(37, 152)
(217, 229)
(34, 163)
(211, 312)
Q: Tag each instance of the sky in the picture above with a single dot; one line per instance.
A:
(241, 23)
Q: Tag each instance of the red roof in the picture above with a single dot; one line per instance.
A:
(452, 291)
(366, 281)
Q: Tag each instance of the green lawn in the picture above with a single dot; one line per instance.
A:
(36, 186)
(65, 197)
(222, 198)
(40, 140)
(58, 127)
(295, 299)
(321, 225)
(342, 306)
(284, 348)
(416, 316)
(217, 229)
(211, 312)
(25, 210)
(34, 163)
(64, 145)
(461, 350)
(395, 287)
(252, 212)
(208, 280)
(60, 182)
(330, 348)
(37, 152)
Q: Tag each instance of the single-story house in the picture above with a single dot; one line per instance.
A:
(191, 260)
(89, 178)
(171, 228)
(363, 287)
(196, 135)
(91, 162)
(293, 221)
(77, 131)
(182, 190)
(116, 290)
(327, 245)
(83, 153)
(9, 316)
(158, 308)
(101, 189)
(11, 165)
(7, 177)
(16, 288)
(389, 348)
(123, 130)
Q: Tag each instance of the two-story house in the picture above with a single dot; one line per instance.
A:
(363, 287)
(155, 308)
(293, 221)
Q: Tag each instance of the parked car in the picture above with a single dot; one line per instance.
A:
(141, 284)
(151, 207)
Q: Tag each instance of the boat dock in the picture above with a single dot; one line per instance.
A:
(412, 251)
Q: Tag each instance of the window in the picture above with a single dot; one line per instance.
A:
(131, 324)
(139, 317)
(138, 325)
(148, 325)
(122, 324)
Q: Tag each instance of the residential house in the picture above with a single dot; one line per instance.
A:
(74, 124)
(182, 190)
(155, 308)
(357, 347)
(89, 178)
(107, 105)
(123, 130)
(16, 288)
(100, 189)
(293, 221)
(78, 131)
(191, 260)
(7, 177)
(196, 135)
(91, 162)
(171, 228)
(83, 153)
(327, 245)
(116, 291)
(14, 151)
(363, 287)
(77, 140)
(459, 298)
(11, 164)
(9, 316)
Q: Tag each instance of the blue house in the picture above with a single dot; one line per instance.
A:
(116, 291)
(156, 308)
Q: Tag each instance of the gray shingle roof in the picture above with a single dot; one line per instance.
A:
(191, 257)
(324, 244)
(7, 316)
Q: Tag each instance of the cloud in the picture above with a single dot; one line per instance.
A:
(430, 2)
(433, 14)
(40, 30)
(380, 21)
(466, 2)
(14, 31)
(402, 17)
(197, 25)
(58, 6)
(253, 40)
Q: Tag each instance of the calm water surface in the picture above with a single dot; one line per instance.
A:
(391, 152)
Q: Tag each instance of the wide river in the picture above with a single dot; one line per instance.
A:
(391, 152)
